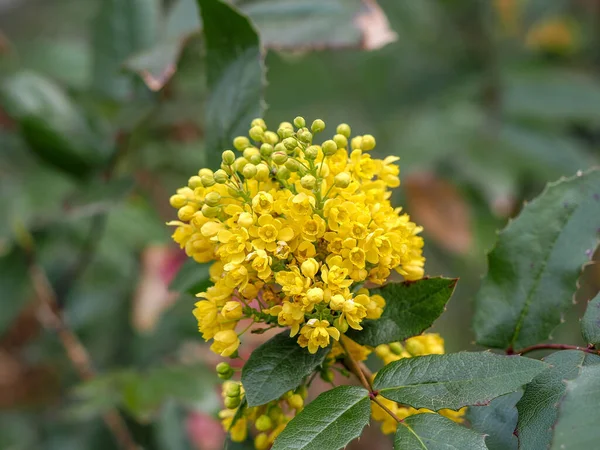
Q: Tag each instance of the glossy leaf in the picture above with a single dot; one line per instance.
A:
(121, 28)
(497, 421)
(455, 380)
(277, 366)
(577, 424)
(538, 408)
(435, 432)
(534, 267)
(411, 308)
(590, 324)
(235, 74)
(329, 422)
(54, 128)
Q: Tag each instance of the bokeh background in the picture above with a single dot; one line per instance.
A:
(102, 118)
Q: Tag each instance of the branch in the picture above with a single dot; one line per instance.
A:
(555, 347)
(364, 375)
(52, 318)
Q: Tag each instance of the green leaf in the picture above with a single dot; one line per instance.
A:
(52, 125)
(577, 425)
(170, 429)
(538, 406)
(277, 366)
(121, 28)
(15, 287)
(590, 324)
(435, 432)
(329, 422)
(534, 268)
(411, 308)
(497, 421)
(192, 278)
(452, 381)
(235, 74)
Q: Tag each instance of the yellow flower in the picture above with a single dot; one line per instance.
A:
(313, 228)
(290, 315)
(232, 311)
(261, 262)
(225, 343)
(426, 344)
(316, 334)
(292, 282)
(269, 231)
(310, 267)
(262, 203)
(301, 205)
(236, 245)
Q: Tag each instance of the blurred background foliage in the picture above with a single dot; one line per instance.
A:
(102, 118)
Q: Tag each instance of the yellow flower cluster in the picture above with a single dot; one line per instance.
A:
(296, 229)
(426, 344)
(269, 420)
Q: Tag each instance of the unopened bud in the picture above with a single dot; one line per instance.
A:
(343, 129)
(302, 391)
(264, 423)
(241, 142)
(299, 122)
(329, 147)
(256, 133)
(262, 172)
(283, 173)
(342, 180)
(249, 171)
(258, 122)
(396, 348)
(177, 201)
(210, 211)
(232, 402)
(240, 163)
(356, 142)
(224, 371)
(228, 157)
(292, 165)
(255, 159)
(308, 182)
(270, 138)
(290, 143)
(341, 325)
(212, 198)
(311, 152)
(295, 401)
(317, 126)
(186, 213)
(368, 142)
(304, 135)
(340, 140)
(266, 150)
(195, 182)
(261, 442)
(208, 180)
(221, 176)
(231, 389)
(279, 158)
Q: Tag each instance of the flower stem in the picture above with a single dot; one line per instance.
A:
(554, 347)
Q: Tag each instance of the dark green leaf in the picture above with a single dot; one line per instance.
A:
(411, 308)
(538, 406)
(455, 380)
(435, 432)
(53, 127)
(235, 73)
(497, 421)
(121, 28)
(192, 278)
(276, 367)
(14, 286)
(590, 324)
(329, 422)
(534, 268)
(577, 425)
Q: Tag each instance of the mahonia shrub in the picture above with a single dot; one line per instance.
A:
(303, 236)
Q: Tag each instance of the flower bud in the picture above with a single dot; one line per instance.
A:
(177, 201)
(340, 140)
(337, 302)
(232, 402)
(317, 126)
(280, 148)
(210, 211)
(296, 401)
(304, 135)
(285, 130)
(258, 122)
(255, 159)
(315, 295)
(241, 142)
(261, 442)
(343, 129)
(240, 163)
(221, 176)
(228, 157)
(311, 152)
(341, 325)
(342, 180)
(245, 220)
(224, 371)
(204, 171)
(231, 389)
(356, 142)
(208, 180)
(250, 152)
(195, 182)
(310, 267)
(249, 171)
(299, 122)
(186, 213)
(308, 182)
(257, 133)
(212, 198)
(329, 147)
(292, 165)
(368, 142)
(279, 158)
(327, 375)
(266, 150)
(302, 391)
(262, 172)
(263, 423)
(270, 138)
(232, 310)
(290, 143)
(396, 348)
(283, 173)
(276, 414)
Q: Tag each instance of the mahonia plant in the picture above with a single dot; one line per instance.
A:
(303, 236)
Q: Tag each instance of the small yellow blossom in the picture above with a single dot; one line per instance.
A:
(316, 334)
(225, 343)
